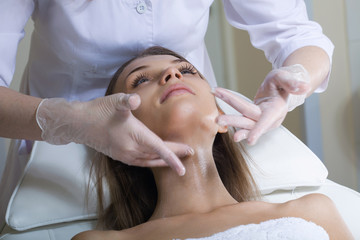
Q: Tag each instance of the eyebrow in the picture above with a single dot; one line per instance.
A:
(137, 69)
(178, 60)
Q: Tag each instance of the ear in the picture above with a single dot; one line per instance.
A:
(221, 129)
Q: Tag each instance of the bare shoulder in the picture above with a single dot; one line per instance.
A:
(310, 203)
(320, 209)
(100, 235)
(89, 235)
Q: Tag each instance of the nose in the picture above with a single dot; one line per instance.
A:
(171, 73)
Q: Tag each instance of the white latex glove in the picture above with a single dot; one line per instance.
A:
(107, 125)
(243, 122)
(282, 90)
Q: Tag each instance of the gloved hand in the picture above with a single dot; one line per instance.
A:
(282, 90)
(243, 122)
(107, 125)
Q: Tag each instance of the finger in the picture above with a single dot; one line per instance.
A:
(172, 160)
(125, 101)
(149, 163)
(143, 157)
(143, 154)
(158, 146)
(241, 135)
(235, 121)
(240, 104)
(181, 150)
(146, 139)
(267, 122)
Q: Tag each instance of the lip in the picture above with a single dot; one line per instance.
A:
(173, 88)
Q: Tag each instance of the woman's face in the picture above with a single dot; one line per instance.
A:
(175, 99)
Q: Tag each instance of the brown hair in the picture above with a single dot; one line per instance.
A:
(133, 192)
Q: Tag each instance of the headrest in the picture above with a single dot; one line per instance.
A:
(53, 187)
(279, 160)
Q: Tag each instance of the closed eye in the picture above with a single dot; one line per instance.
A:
(141, 78)
(187, 69)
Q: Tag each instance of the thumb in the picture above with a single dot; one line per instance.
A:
(125, 101)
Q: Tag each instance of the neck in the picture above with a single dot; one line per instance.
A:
(200, 190)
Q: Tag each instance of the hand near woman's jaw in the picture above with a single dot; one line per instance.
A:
(282, 90)
(254, 120)
(108, 125)
(135, 144)
(243, 122)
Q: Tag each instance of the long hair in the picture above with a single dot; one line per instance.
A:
(133, 192)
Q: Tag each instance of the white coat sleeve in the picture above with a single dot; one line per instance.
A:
(13, 16)
(278, 27)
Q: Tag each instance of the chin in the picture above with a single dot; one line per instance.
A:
(186, 118)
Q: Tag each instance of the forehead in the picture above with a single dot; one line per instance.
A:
(155, 60)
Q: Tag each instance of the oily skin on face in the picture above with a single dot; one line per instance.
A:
(187, 117)
(151, 78)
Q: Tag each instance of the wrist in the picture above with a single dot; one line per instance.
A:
(57, 120)
(301, 76)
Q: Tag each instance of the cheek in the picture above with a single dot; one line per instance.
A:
(148, 116)
(209, 111)
(146, 112)
(191, 115)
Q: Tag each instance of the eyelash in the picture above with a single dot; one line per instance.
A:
(188, 67)
(143, 76)
(138, 78)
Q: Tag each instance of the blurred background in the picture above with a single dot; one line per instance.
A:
(329, 123)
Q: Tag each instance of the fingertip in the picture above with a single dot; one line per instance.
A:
(125, 102)
(252, 140)
(239, 136)
(178, 166)
(238, 139)
(181, 171)
(134, 101)
(217, 91)
(221, 123)
(253, 136)
(191, 151)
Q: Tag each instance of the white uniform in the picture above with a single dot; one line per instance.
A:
(77, 45)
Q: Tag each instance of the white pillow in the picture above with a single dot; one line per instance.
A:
(284, 165)
(281, 160)
(53, 186)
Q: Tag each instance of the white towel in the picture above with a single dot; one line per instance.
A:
(289, 228)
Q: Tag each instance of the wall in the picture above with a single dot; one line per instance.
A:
(353, 21)
(336, 104)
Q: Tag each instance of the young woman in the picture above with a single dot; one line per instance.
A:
(217, 197)
(77, 45)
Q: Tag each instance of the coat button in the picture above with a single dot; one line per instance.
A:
(141, 8)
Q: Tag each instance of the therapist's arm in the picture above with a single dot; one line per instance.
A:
(126, 139)
(284, 89)
(273, 95)
(17, 115)
(315, 60)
